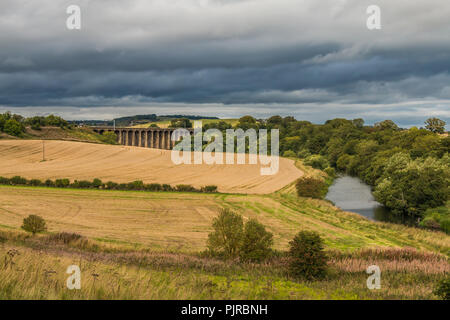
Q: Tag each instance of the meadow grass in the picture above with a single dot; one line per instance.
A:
(153, 248)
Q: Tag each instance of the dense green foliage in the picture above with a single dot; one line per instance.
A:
(311, 187)
(232, 239)
(443, 289)
(227, 236)
(14, 124)
(256, 243)
(308, 258)
(34, 224)
(437, 218)
(180, 123)
(109, 137)
(408, 168)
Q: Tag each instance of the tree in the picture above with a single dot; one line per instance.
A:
(317, 161)
(34, 224)
(435, 125)
(180, 123)
(411, 186)
(310, 187)
(227, 236)
(257, 242)
(109, 137)
(308, 259)
(13, 128)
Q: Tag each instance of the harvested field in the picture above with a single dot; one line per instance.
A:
(182, 221)
(85, 161)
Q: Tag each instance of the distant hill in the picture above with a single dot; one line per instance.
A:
(138, 119)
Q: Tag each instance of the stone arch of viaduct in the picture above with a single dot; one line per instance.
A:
(159, 138)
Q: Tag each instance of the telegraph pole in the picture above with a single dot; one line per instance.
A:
(43, 150)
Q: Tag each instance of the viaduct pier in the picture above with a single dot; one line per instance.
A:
(158, 138)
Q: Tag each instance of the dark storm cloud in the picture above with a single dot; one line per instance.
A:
(290, 57)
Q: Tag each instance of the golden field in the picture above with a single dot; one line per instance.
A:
(85, 161)
(147, 245)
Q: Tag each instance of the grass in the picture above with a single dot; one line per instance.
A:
(182, 221)
(147, 245)
(35, 268)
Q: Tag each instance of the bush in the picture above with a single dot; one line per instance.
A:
(83, 184)
(226, 238)
(209, 189)
(437, 218)
(18, 180)
(257, 242)
(49, 183)
(35, 182)
(153, 187)
(443, 289)
(13, 128)
(166, 187)
(97, 183)
(289, 154)
(303, 154)
(330, 172)
(62, 183)
(34, 224)
(111, 185)
(308, 259)
(311, 187)
(5, 181)
(317, 161)
(185, 188)
(109, 137)
(64, 237)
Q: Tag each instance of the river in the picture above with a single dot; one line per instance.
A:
(352, 194)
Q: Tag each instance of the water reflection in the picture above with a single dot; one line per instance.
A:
(352, 194)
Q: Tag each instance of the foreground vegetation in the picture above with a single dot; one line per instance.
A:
(35, 268)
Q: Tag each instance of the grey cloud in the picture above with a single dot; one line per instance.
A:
(301, 56)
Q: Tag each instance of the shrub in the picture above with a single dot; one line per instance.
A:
(4, 180)
(303, 154)
(35, 182)
(311, 187)
(34, 224)
(13, 128)
(256, 243)
(185, 188)
(289, 154)
(64, 237)
(308, 259)
(166, 187)
(62, 183)
(209, 189)
(49, 183)
(317, 161)
(153, 187)
(18, 180)
(330, 172)
(443, 289)
(82, 184)
(111, 185)
(109, 137)
(226, 238)
(136, 185)
(97, 183)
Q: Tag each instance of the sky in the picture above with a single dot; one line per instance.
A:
(314, 60)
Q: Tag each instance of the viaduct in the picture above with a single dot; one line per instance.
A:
(158, 138)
